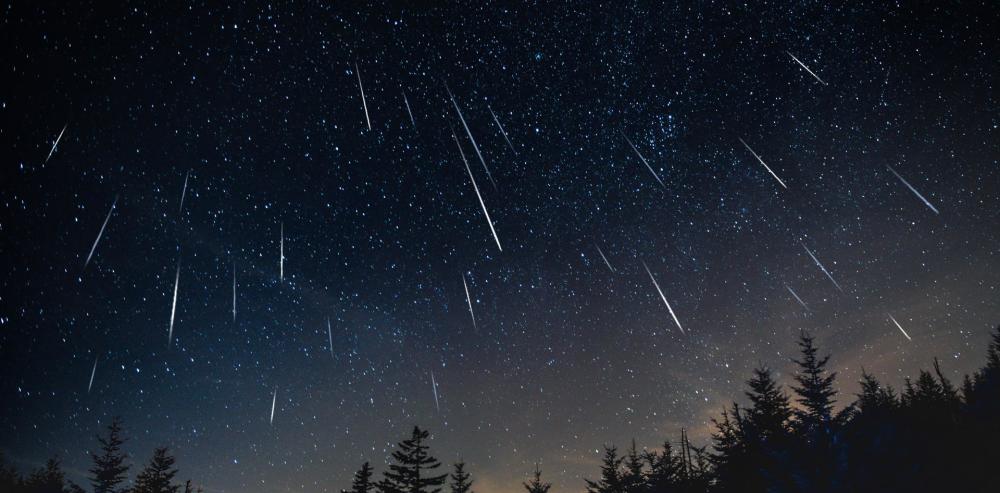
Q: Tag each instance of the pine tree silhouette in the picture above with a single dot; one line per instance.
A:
(362, 480)
(536, 485)
(109, 470)
(413, 469)
(814, 424)
(611, 474)
(634, 477)
(461, 481)
(158, 475)
(664, 470)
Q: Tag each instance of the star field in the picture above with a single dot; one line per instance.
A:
(254, 112)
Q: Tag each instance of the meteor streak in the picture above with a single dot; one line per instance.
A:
(612, 269)
(807, 68)
(363, 101)
(274, 400)
(820, 265)
(173, 307)
(434, 385)
(502, 131)
(184, 191)
(408, 110)
(914, 190)
(796, 296)
(100, 233)
(900, 327)
(92, 373)
(468, 299)
(637, 153)
(55, 144)
(476, 188)
(471, 138)
(664, 298)
(768, 168)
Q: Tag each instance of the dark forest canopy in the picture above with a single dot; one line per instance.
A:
(933, 435)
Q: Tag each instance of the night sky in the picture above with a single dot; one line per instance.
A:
(254, 114)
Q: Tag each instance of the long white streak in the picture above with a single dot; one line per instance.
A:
(408, 110)
(329, 335)
(92, 373)
(476, 188)
(820, 265)
(664, 298)
(173, 307)
(637, 153)
(274, 400)
(471, 138)
(435, 386)
(184, 191)
(363, 101)
(914, 190)
(612, 269)
(100, 233)
(807, 68)
(768, 168)
(56, 143)
(468, 299)
(281, 260)
(900, 327)
(796, 296)
(234, 291)
(881, 96)
(502, 131)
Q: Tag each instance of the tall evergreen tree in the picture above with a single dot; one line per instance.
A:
(814, 422)
(362, 480)
(109, 469)
(461, 481)
(158, 475)
(413, 469)
(611, 474)
(536, 485)
(815, 391)
(634, 476)
(47, 479)
(664, 470)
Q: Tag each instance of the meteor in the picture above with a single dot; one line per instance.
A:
(807, 68)
(468, 299)
(408, 110)
(914, 190)
(612, 269)
(274, 400)
(900, 327)
(329, 335)
(184, 191)
(502, 131)
(55, 144)
(796, 296)
(234, 291)
(637, 153)
(476, 188)
(434, 385)
(173, 307)
(92, 373)
(768, 168)
(471, 138)
(830, 276)
(363, 101)
(664, 298)
(281, 260)
(100, 233)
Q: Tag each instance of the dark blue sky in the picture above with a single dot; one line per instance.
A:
(259, 106)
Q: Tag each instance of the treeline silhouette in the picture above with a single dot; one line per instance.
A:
(931, 436)
(108, 473)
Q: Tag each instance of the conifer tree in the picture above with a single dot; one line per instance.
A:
(461, 481)
(158, 475)
(413, 469)
(815, 391)
(109, 469)
(362, 480)
(611, 474)
(663, 470)
(536, 485)
(634, 477)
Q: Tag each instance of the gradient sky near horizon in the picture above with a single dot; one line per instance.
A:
(254, 113)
